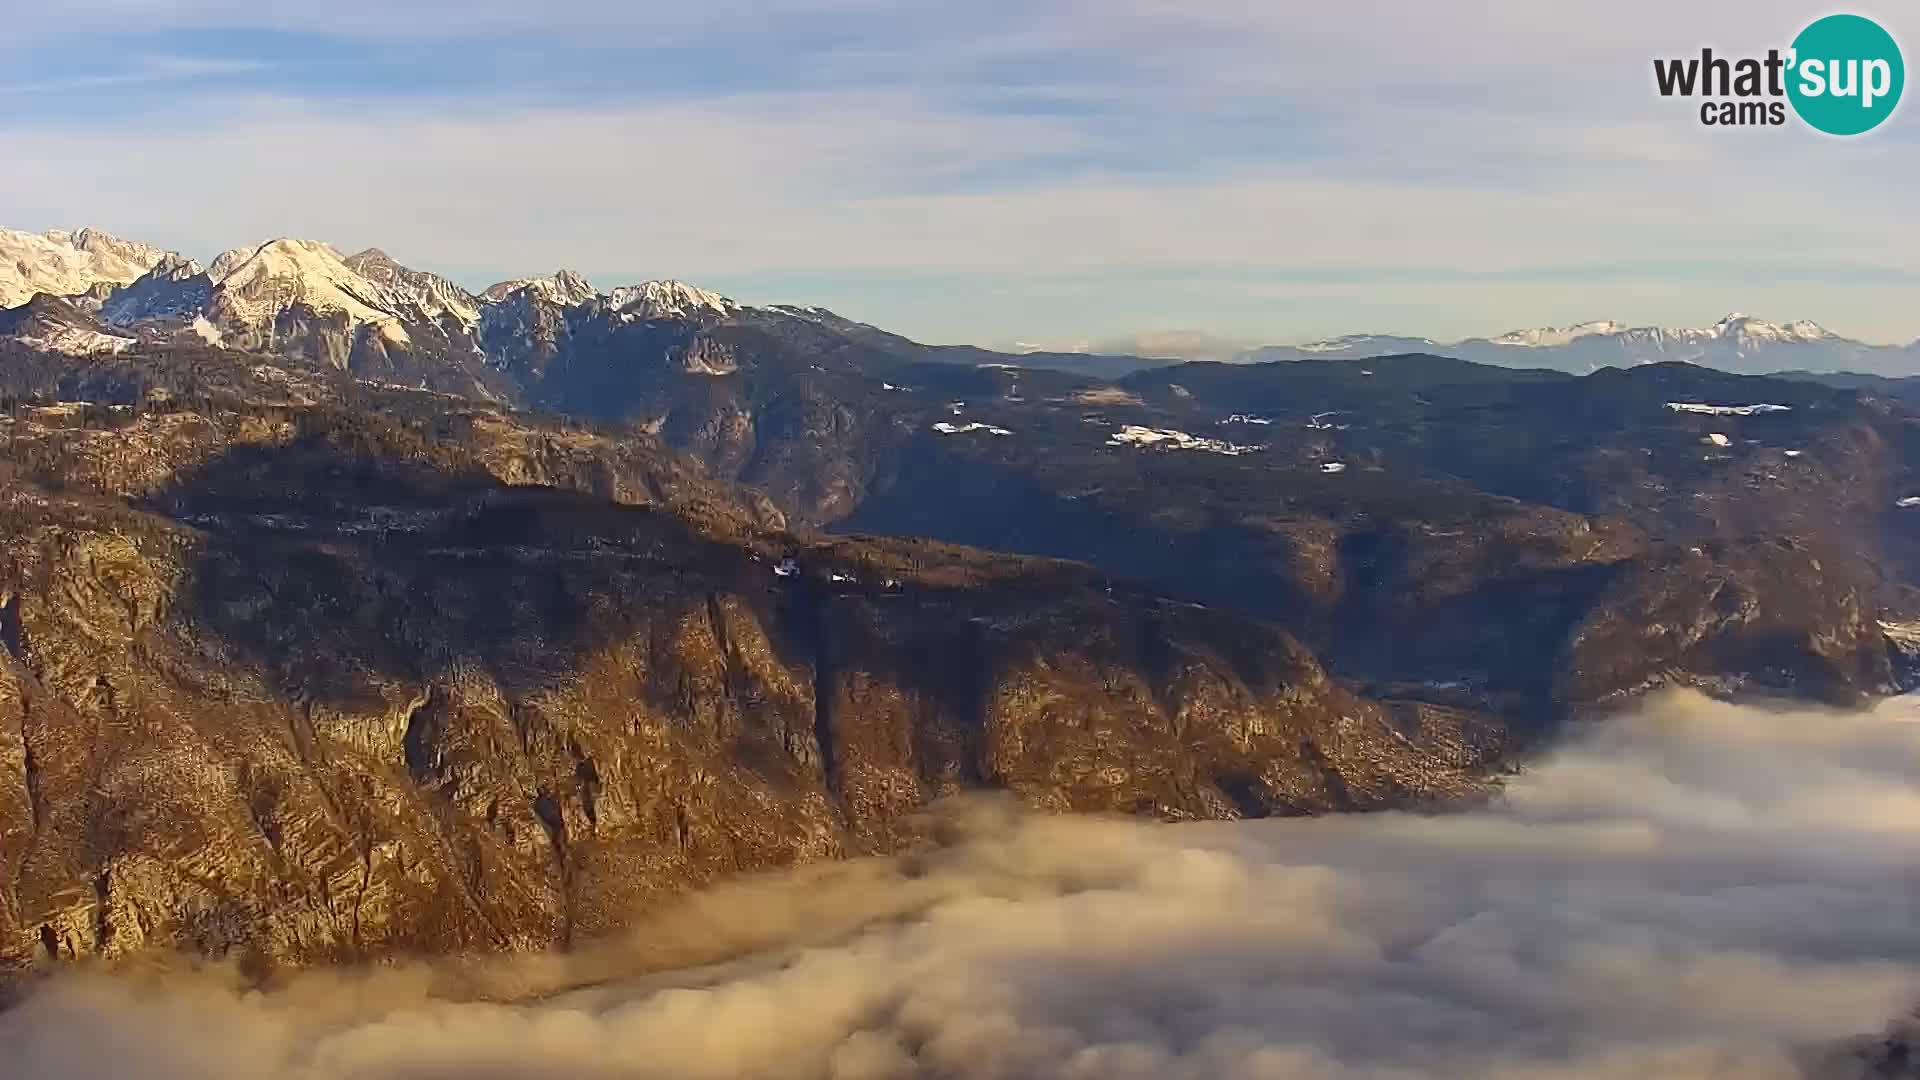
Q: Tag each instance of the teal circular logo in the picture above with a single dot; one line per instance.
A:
(1846, 75)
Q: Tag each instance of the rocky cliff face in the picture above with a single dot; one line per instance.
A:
(299, 667)
(286, 683)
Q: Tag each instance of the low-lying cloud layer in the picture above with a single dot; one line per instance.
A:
(1696, 890)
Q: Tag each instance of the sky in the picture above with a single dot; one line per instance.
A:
(1057, 172)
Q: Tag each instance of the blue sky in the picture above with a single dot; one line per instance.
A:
(1064, 172)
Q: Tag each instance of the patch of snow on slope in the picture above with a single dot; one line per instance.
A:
(1904, 634)
(1168, 438)
(76, 341)
(1726, 410)
(945, 428)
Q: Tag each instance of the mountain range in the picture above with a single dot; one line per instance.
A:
(347, 612)
(1737, 342)
(367, 311)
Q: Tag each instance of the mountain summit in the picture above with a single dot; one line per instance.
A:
(563, 287)
(63, 263)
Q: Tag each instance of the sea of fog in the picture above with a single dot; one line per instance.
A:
(1693, 890)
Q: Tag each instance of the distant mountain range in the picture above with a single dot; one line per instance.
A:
(368, 313)
(1738, 343)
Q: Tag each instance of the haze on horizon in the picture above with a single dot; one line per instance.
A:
(1062, 172)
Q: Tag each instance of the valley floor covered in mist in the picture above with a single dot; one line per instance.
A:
(1695, 889)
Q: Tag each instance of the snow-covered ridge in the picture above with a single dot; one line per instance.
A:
(1548, 336)
(810, 312)
(664, 299)
(564, 287)
(1743, 326)
(429, 295)
(946, 428)
(63, 263)
(1735, 327)
(1349, 342)
(658, 299)
(224, 263)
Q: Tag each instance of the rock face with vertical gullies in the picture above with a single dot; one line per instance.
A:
(295, 683)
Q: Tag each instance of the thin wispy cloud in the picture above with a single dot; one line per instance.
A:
(143, 71)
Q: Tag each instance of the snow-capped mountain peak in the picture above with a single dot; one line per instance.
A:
(224, 263)
(668, 299)
(109, 249)
(1737, 325)
(67, 263)
(565, 287)
(175, 267)
(286, 272)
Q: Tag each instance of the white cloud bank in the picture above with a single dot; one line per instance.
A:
(1698, 890)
